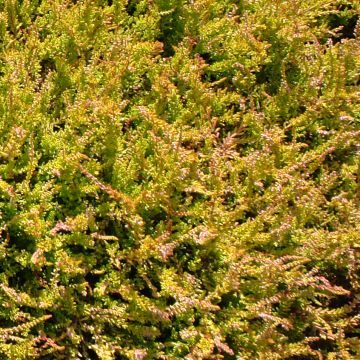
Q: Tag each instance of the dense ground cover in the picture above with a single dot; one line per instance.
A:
(179, 179)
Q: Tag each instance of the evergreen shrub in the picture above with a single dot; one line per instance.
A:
(179, 179)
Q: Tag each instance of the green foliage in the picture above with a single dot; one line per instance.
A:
(179, 179)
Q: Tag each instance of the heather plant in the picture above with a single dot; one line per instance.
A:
(179, 179)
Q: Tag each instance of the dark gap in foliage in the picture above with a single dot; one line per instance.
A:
(148, 291)
(131, 7)
(333, 192)
(170, 300)
(46, 65)
(172, 25)
(353, 334)
(245, 149)
(146, 82)
(292, 73)
(312, 224)
(128, 124)
(316, 175)
(18, 177)
(90, 353)
(22, 279)
(92, 279)
(354, 304)
(302, 109)
(226, 128)
(324, 345)
(257, 322)
(88, 53)
(195, 196)
(118, 229)
(140, 284)
(5, 323)
(58, 319)
(229, 300)
(153, 217)
(76, 249)
(248, 215)
(357, 83)
(207, 279)
(270, 76)
(353, 352)
(217, 352)
(152, 272)
(56, 109)
(210, 262)
(165, 333)
(210, 77)
(310, 138)
(226, 356)
(197, 318)
(20, 240)
(291, 203)
(281, 286)
(10, 341)
(340, 301)
(337, 276)
(344, 19)
(183, 253)
(337, 157)
(272, 248)
(185, 219)
(191, 145)
(116, 296)
(133, 90)
(229, 198)
(231, 341)
(207, 57)
(85, 349)
(121, 357)
(145, 290)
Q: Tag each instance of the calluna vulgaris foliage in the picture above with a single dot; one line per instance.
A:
(179, 179)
